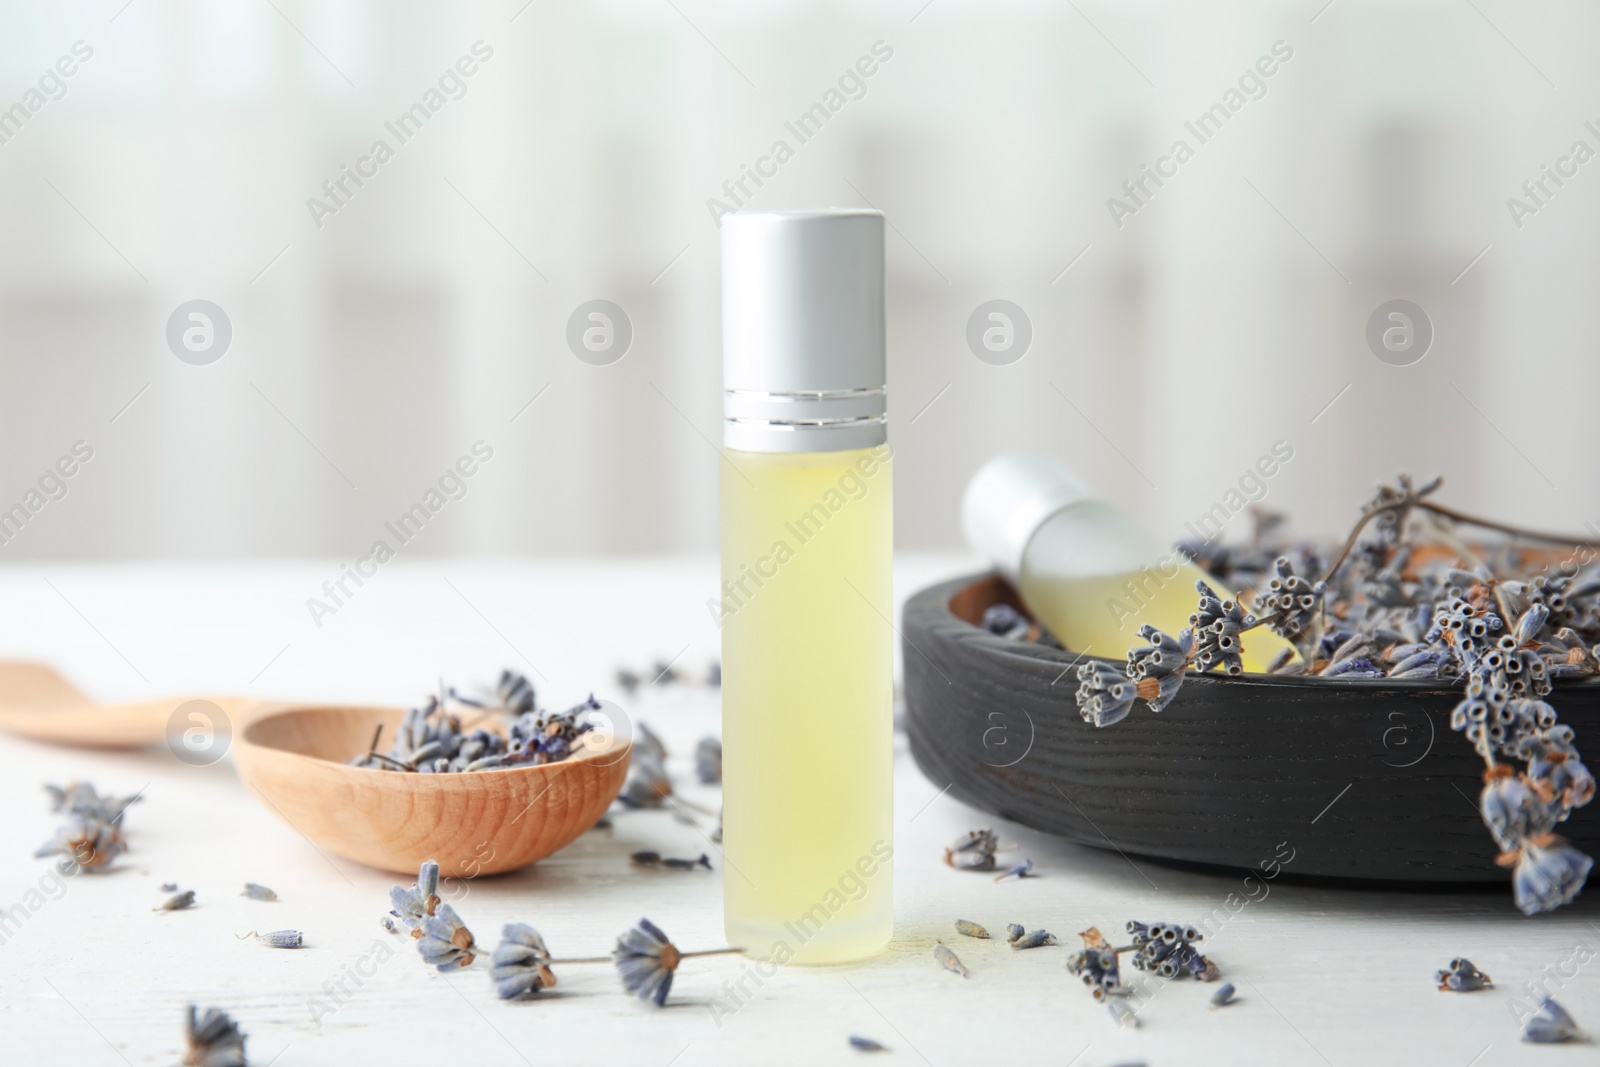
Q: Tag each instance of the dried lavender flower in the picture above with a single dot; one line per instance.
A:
(970, 929)
(412, 906)
(1217, 625)
(1003, 620)
(258, 892)
(1550, 1025)
(87, 841)
(1157, 671)
(1555, 772)
(1569, 648)
(1529, 625)
(948, 960)
(446, 943)
(646, 959)
(1098, 969)
(278, 938)
(1427, 663)
(520, 966)
(513, 695)
(1460, 976)
(1021, 870)
(214, 1039)
(1547, 873)
(81, 798)
(969, 861)
(985, 840)
(655, 859)
(1105, 695)
(430, 739)
(1223, 996)
(866, 1044)
(647, 784)
(708, 760)
(1466, 629)
(1354, 667)
(973, 851)
(1511, 809)
(1286, 662)
(1168, 949)
(1553, 593)
(177, 902)
(1291, 600)
(1034, 939)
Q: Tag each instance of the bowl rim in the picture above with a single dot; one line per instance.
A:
(244, 739)
(939, 596)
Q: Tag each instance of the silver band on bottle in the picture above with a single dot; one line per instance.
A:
(830, 420)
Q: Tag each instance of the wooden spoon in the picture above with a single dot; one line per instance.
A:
(293, 760)
(37, 702)
(474, 823)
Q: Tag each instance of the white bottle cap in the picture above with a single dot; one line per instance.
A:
(802, 330)
(1009, 499)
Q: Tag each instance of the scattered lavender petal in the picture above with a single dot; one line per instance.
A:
(280, 938)
(1460, 976)
(948, 960)
(1550, 1025)
(214, 1039)
(1034, 939)
(1021, 870)
(177, 902)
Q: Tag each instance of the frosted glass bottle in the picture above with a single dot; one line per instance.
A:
(1089, 574)
(807, 649)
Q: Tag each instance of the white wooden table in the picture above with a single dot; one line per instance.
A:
(1326, 976)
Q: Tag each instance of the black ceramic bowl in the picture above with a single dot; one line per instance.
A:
(1363, 778)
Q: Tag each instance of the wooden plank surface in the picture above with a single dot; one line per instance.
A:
(90, 975)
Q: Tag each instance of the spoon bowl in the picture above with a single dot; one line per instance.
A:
(471, 823)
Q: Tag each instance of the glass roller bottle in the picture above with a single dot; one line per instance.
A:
(807, 651)
(1085, 571)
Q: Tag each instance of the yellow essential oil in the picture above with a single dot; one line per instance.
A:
(807, 703)
(1076, 610)
(1085, 571)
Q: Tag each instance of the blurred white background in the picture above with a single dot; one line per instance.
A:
(373, 346)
